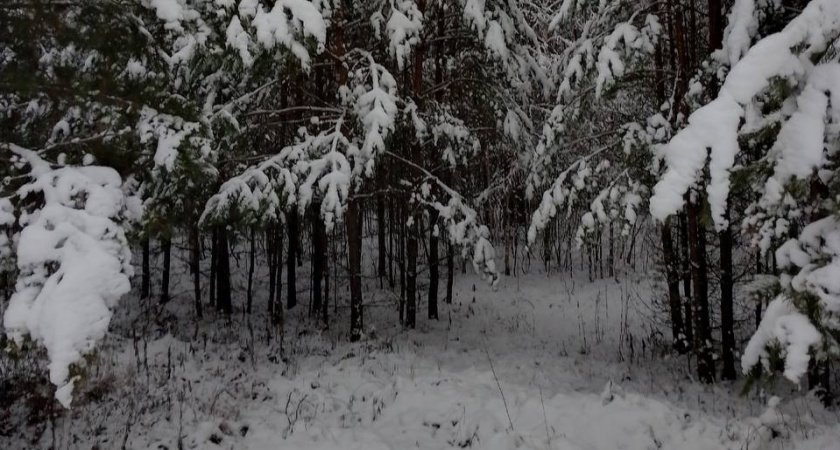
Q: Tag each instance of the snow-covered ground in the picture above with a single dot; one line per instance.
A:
(542, 363)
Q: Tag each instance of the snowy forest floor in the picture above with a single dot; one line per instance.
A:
(544, 362)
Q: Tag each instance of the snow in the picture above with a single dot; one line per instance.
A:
(168, 10)
(494, 40)
(74, 265)
(238, 39)
(715, 125)
(484, 257)
(276, 27)
(515, 352)
(741, 27)
(792, 331)
(800, 148)
(404, 27)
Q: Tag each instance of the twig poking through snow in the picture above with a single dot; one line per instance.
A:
(495, 377)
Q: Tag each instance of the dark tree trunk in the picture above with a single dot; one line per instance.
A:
(686, 277)
(278, 277)
(674, 301)
(392, 222)
(411, 279)
(325, 308)
(223, 277)
(434, 275)
(715, 25)
(727, 315)
(450, 272)
(401, 263)
(166, 246)
(319, 254)
(214, 265)
(270, 250)
(146, 282)
(291, 259)
(195, 268)
(758, 304)
(702, 332)
(354, 256)
(380, 230)
(251, 264)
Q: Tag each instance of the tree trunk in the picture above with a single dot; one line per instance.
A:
(166, 246)
(214, 265)
(291, 259)
(380, 231)
(223, 277)
(325, 309)
(270, 250)
(450, 272)
(278, 277)
(146, 282)
(715, 25)
(686, 277)
(727, 315)
(677, 325)
(434, 276)
(251, 263)
(411, 279)
(758, 304)
(354, 256)
(319, 254)
(195, 268)
(702, 332)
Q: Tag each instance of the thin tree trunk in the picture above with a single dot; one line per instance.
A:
(214, 265)
(354, 256)
(146, 282)
(291, 260)
(270, 249)
(223, 277)
(325, 309)
(758, 304)
(677, 325)
(195, 268)
(727, 315)
(702, 332)
(166, 246)
(319, 251)
(434, 275)
(380, 231)
(411, 279)
(686, 277)
(278, 275)
(450, 272)
(251, 263)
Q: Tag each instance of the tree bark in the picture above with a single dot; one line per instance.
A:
(411, 279)
(166, 246)
(672, 276)
(434, 274)
(380, 231)
(354, 256)
(319, 252)
(291, 259)
(727, 315)
(214, 265)
(251, 263)
(699, 278)
(278, 277)
(450, 272)
(146, 282)
(195, 268)
(270, 250)
(223, 277)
